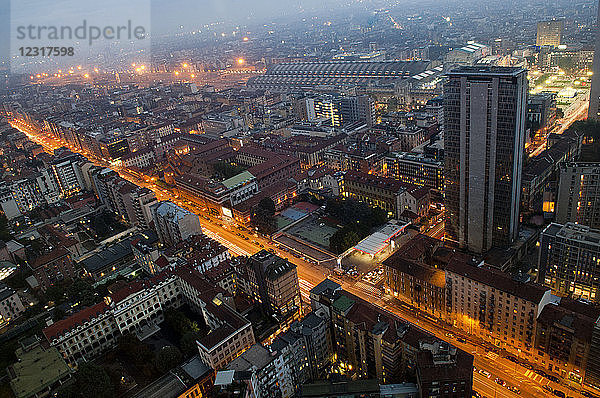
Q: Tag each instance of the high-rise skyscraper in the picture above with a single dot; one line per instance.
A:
(594, 108)
(484, 112)
(549, 33)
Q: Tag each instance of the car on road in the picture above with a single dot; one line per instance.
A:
(553, 378)
(541, 373)
(512, 359)
(500, 381)
(514, 389)
(461, 340)
(559, 393)
(588, 394)
(485, 373)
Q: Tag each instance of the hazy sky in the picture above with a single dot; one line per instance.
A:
(168, 15)
(158, 16)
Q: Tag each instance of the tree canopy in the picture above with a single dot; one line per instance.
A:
(91, 381)
(358, 219)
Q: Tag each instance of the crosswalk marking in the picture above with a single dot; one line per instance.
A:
(235, 249)
(492, 355)
(369, 289)
(305, 288)
(534, 376)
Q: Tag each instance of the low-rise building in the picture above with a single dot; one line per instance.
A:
(191, 379)
(38, 372)
(139, 308)
(393, 196)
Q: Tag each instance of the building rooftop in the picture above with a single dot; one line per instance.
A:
(505, 71)
(77, 319)
(255, 357)
(463, 264)
(49, 257)
(36, 370)
(237, 180)
(378, 240)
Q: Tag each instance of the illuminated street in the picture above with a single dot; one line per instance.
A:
(310, 275)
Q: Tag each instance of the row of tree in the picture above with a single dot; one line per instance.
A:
(358, 220)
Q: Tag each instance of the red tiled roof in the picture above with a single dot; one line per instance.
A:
(127, 291)
(162, 262)
(77, 319)
(49, 257)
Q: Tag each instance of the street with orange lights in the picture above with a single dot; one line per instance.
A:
(489, 365)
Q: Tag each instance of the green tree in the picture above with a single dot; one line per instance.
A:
(179, 322)
(344, 239)
(167, 358)
(188, 345)
(135, 351)
(56, 293)
(226, 170)
(83, 292)
(91, 381)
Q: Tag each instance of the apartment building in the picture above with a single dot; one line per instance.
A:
(379, 344)
(140, 159)
(409, 278)
(414, 168)
(67, 174)
(568, 260)
(564, 335)
(273, 282)
(53, 267)
(443, 370)
(11, 306)
(138, 308)
(306, 348)
(173, 223)
(268, 375)
(230, 333)
(199, 252)
(492, 305)
(578, 195)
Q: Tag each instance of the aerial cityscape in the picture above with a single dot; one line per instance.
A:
(346, 198)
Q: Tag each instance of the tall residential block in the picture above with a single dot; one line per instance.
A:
(485, 112)
(578, 197)
(569, 260)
